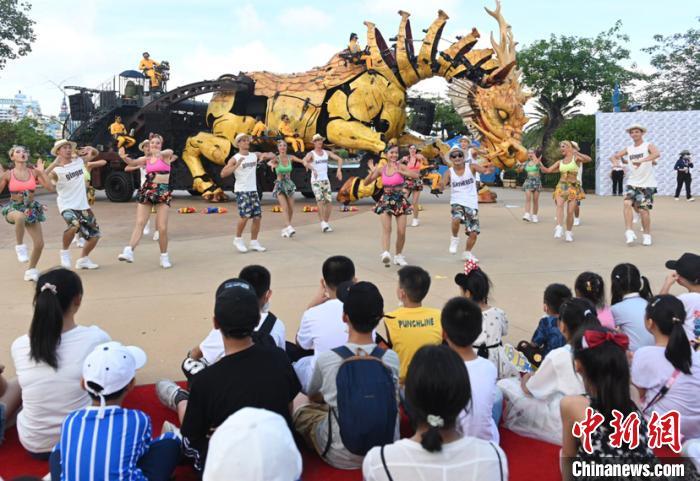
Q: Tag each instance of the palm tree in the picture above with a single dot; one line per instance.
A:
(548, 117)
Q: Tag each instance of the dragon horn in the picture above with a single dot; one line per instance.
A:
(404, 51)
(446, 58)
(430, 45)
(377, 45)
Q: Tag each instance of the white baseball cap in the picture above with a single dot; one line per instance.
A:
(255, 445)
(112, 366)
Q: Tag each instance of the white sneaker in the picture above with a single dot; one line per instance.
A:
(454, 245)
(400, 260)
(676, 198)
(646, 239)
(291, 231)
(415, 222)
(526, 217)
(577, 221)
(255, 246)
(558, 232)
(80, 243)
(165, 261)
(569, 236)
(534, 219)
(156, 236)
(630, 237)
(85, 263)
(692, 199)
(31, 275)
(239, 244)
(65, 259)
(326, 227)
(468, 256)
(127, 255)
(167, 391)
(386, 258)
(285, 232)
(22, 253)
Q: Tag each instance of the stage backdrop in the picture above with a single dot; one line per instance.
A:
(671, 132)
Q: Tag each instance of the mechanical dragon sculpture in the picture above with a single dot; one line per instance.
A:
(361, 109)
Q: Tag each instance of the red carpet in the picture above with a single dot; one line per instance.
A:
(528, 460)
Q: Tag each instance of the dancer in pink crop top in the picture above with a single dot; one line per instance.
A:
(393, 202)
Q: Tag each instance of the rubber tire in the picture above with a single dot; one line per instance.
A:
(308, 195)
(119, 186)
(194, 193)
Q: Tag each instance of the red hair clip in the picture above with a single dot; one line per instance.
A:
(593, 339)
(470, 266)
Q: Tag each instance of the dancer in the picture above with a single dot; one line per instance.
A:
(144, 147)
(464, 200)
(568, 189)
(683, 176)
(641, 182)
(415, 162)
(155, 192)
(393, 202)
(321, 186)
(244, 166)
(68, 173)
(284, 185)
(579, 178)
(532, 184)
(23, 211)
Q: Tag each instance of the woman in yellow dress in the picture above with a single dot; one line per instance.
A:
(568, 190)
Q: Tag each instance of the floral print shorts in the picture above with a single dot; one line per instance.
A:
(641, 197)
(466, 216)
(84, 220)
(248, 204)
(322, 191)
(393, 202)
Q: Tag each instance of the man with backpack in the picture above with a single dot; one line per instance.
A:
(353, 393)
(249, 374)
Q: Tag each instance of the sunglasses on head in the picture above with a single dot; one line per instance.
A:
(456, 155)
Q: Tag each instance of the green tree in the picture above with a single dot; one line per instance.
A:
(16, 30)
(676, 83)
(23, 133)
(559, 69)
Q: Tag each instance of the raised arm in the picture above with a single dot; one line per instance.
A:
(229, 168)
(487, 168)
(619, 156)
(88, 153)
(582, 158)
(653, 156)
(551, 169)
(374, 172)
(406, 172)
(40, 175)
(94, 164)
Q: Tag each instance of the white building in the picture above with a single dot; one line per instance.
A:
(19, 107)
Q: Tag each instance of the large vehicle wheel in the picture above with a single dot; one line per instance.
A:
(119, 186)
(307, 194)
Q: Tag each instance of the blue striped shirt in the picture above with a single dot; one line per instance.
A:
(106, 449)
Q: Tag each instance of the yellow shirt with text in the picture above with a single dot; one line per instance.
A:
(410, 329)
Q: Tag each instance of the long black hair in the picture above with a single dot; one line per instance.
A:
(55, 292)
(576, 314)
(437, 390)
(668, 314)
(478, 284)
(606, 373)
(591, 286)
(626, 279)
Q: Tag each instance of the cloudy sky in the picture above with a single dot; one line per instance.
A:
(85, 42)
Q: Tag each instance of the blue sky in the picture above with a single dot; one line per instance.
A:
(87, 41)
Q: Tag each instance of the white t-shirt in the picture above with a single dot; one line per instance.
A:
(477, 420)
(321, 165)
(245, 173)
(70, 186)
(466, 459)
(642, 176)
(691, 302)
(556, 375)
(463, 188)
(651, 370)
(322, 327)
(212, 346)
(49, 395)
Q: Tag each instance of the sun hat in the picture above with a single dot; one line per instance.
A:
(60, 143)
(317, 137)
(636, 126)
(142, 145)
(239, 137)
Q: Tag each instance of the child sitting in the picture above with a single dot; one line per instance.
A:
(591, 286)
(532, 402)
(412, 326)
(687, 275)
(630, 293)
(547, 336)
(106, 441)
(461, 321)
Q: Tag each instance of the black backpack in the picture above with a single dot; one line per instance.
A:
(262, 336)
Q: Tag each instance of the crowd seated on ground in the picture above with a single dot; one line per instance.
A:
(342, 387)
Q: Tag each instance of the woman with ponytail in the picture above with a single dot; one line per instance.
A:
(532, 402)
(591, 286)
(667, 374)
(600, 357)
(630, 292)
(49, 360)
(437, 389)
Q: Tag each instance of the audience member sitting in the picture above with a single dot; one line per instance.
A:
(667, 374)
(547, 336)
(249, 374)
(591, 286)
(412, 326)
(532, 402)
(475, 285)
(253, 444)
(10, 401)
(345, 381)
(630, 293)
(687, 275)
(104, 440)
(437, 389)
(322, 327)
(49, 360)
(600, 359)
(461, 321)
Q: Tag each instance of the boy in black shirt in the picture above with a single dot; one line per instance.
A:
(249, 375)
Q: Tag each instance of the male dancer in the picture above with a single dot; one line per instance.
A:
(641, 183)
(320, 184)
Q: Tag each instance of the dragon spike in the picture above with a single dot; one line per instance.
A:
(405, 56)
(429, 48)
(446, 59)
(380, 54)
(505, 50)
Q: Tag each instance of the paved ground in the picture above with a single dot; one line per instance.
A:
(167, 312)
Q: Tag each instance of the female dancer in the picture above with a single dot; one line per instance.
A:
(393, 202)
(23, 211)
(144, 147)
(532, 184)
(415, 162)
(568, 189)
(284, 185)
(154, 192)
